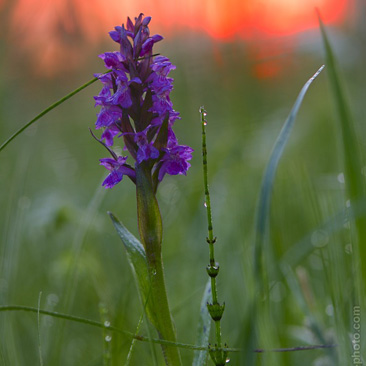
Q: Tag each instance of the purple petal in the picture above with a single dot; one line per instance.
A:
(112, 179)
(109, 133)
(108, 115)
(157, 38)
(113, 60)
(116, 34)
(175, 161)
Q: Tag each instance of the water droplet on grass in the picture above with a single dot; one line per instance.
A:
(329, 310)
(348, 248)
(205, 204)
(319, 238)
(107, 324)
(108, 338)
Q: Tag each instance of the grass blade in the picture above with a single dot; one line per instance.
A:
(267, 182)
(261, 323)
(49, 109)
(355, 183)
(355, 192)
(203, 329)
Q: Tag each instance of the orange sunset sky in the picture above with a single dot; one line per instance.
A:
(50, 29)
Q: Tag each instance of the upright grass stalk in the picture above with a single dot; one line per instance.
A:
(354, 181)
(218, 355)
(356, 193)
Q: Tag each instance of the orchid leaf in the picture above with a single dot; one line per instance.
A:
(137, 258)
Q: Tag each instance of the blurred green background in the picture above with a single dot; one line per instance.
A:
(57, 243)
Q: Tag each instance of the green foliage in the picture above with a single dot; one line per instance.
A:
(49, 174)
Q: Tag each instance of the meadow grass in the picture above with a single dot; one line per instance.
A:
(67, 293)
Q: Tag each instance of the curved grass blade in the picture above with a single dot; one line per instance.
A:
(267, 182)
(52, 106)
(203, 329)
(261, 325)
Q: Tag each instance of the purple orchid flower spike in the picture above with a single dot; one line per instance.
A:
(135, 106)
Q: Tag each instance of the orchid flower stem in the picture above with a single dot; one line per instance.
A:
(218, 355)
(150, 228)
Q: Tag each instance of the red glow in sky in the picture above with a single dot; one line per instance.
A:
(48, 29)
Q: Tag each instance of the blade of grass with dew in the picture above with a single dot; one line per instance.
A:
(355, 182)
(99, 324)
(263, 322)
(355, 190)
(204, 327)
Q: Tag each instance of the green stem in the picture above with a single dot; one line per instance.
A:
(150, 228)
(216, 310)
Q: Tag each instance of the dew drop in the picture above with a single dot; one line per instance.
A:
(153, 272)
(204, 113)
(107, 324)
(340, 178)
(319, 238)
(205, 204)
(108, 338)
(329, 310)
(205, 123)
(348, 248)
(227, 360)
(52, 300)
